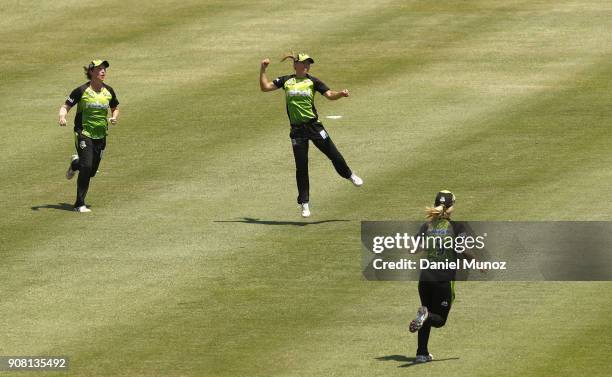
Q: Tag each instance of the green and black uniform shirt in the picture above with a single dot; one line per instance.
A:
(92, 109)
(299, 94)
(438, 253)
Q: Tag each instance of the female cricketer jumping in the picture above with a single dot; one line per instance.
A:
(300, 89)
(436, 287)
(93, 100)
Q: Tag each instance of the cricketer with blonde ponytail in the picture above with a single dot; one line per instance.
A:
(305, 127)
(436, 287)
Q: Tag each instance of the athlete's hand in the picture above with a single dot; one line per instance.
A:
(112, 121)
(265, 63)
(62, 122)
(344, 93)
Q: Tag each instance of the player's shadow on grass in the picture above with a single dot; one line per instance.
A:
(251, 220)
(410, 361)
(58, 206)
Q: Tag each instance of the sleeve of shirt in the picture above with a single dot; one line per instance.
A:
(459, 229)
(422, 230)
(114, 101)
(74, 97)
(280, 81)
(319, 85)
(421, 234)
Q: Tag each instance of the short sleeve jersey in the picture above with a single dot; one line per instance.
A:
(92, 109)
(441, 228)
(299, 95)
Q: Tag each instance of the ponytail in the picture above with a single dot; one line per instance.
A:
(289, 55)
(439, 212)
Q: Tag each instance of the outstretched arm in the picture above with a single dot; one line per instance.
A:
(264, 84)
(333, 95)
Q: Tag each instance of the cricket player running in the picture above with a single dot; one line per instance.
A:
(299, 90)
(436, 287)
(93, 100)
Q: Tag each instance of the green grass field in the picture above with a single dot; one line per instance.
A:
(195, 261)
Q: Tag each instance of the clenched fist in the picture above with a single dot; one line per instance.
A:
(265, 63)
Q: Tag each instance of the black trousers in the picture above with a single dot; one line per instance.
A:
(438, 297)
(90, 154)
(300, 136)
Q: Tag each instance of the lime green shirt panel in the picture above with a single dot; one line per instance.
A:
(93, 107)
(299, 94)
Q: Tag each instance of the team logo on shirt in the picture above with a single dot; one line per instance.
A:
(96, 105)
(299, 93)
(299, 89)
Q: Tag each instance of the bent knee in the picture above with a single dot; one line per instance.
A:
(439, 324)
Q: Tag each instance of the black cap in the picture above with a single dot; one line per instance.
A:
(444, 198)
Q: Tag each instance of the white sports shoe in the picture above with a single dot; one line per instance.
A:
(356, 180)
(70, 173)
(305, 210)
(82, 209)
(423, 358)
(417, 323)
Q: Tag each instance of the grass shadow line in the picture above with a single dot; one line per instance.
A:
(410, 361)
(58, 206)
(251, 220)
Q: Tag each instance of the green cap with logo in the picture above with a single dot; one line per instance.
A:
(96, 63)
(301, 57)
